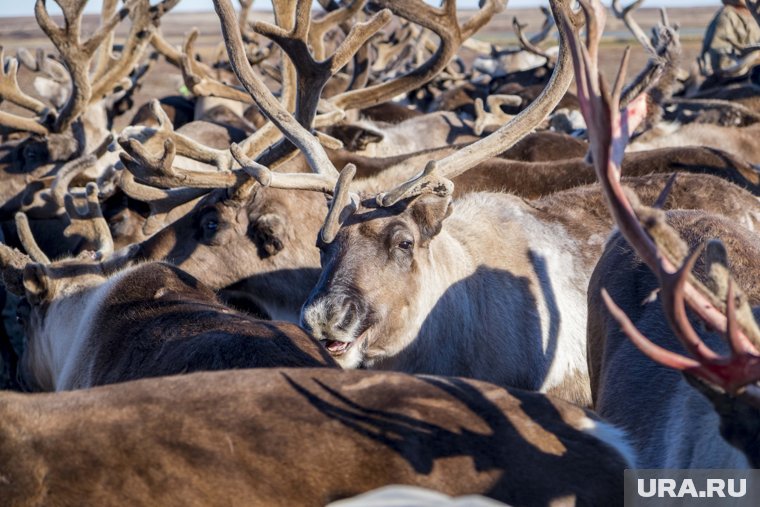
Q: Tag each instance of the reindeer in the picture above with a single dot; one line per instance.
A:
(266, 250)
(701, 119)
(197, 432)
(88, 323)
(527, 57)
(80, 125)
(536, 179)
(78, 128)
(415, 281)
(651, 276)
(621, 375)
(270, 230)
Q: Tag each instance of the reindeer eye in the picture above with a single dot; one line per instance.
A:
(406, 245)
(210, 225)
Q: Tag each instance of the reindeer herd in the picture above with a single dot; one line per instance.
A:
(352, 259)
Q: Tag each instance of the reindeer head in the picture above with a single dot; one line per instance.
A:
(54, 302)
(376, 263)
(228, 238)
(373, 276)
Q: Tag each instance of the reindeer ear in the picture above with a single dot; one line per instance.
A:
(429, 211)
(269, 231)
(36, 282)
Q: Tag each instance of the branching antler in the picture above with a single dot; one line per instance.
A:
(437, 175)
(10, 91)
(164, 48)
(659, 246)
(157, 171)
(494, 115)
(663, 60)
(292, 181)
(66, 174)
(528, 44)
(443, 22)
(312, 75)
(184, 146)
(112, 70)
(88, 224)
(199, 80)
(76, 54)
(269, 106)
(27, 239)
(166, 206)
(319, 27)
(16, 122)
(39, 201)
(390, 49)
(12, 264)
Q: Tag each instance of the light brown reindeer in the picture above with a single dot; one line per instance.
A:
(254, 212)
(302, 437)
(268, 251)
(416, 281)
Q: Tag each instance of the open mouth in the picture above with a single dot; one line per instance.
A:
(337, 348)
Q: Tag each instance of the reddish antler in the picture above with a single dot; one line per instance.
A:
(609, 130)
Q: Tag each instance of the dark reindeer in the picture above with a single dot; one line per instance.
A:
(87, 324)
(676, 425)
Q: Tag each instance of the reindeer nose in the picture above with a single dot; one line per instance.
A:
(333, 318)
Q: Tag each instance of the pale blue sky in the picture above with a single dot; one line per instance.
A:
(26, 7)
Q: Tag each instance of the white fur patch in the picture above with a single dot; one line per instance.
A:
(67, 330)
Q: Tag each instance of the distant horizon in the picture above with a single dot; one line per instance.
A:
(26, 7)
